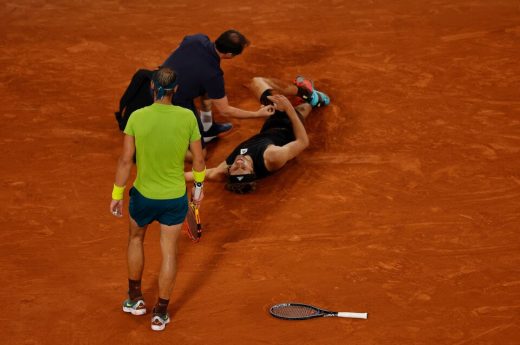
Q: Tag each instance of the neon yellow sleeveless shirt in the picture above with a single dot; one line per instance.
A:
(162, 136)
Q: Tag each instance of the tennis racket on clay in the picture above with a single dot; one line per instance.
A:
(193, 226)
(299, 311)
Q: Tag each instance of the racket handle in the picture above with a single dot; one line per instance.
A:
(197, 191)
(353, 315)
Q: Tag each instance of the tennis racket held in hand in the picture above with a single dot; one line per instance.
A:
(192, 223)
(300, 311)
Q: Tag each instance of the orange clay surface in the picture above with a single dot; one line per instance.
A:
(406, 204)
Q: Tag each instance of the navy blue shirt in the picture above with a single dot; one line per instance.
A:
(198, 67)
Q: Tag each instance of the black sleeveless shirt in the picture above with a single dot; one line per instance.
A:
(257, 144)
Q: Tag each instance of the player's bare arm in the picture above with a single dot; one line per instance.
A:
(124, 167)
(276, 157)
(223, 107)
(198, 164)
(217, 173)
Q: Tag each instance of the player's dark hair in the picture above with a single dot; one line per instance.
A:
(241, 187)
(164, 80)
(165, 77)
(241, 183)
(231, 41)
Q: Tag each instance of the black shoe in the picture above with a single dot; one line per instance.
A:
(217, 129)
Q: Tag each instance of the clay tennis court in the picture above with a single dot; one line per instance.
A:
(406, 205)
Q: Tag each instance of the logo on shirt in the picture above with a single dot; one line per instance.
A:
(243, 151)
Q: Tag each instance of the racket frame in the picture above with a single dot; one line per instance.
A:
(319, 312)
(194, 235)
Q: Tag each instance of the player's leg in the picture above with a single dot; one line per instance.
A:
(211, 129)
(304, 109)
(259, 85)
(276, 85)
(167, 274)
(173, 212)
(205, 103)
(206, 115)
(135, 252)
(135, 256)
(302, 88)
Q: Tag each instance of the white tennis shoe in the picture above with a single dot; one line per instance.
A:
(159, 321)
(137, 307)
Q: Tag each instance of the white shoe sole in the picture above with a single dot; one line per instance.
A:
(134, 311)
(208, 139)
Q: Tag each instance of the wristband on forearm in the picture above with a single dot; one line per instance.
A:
(198, 176)
(117, 192)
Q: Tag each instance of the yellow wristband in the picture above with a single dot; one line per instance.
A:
(198, 176)
(117, 192)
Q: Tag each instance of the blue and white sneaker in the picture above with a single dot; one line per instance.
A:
(136, 307)
(308, 93)
(319, 99)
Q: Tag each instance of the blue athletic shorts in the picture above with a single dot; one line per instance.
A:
(167, 212)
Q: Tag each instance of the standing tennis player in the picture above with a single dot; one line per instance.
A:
(282, 137)
(161, 134)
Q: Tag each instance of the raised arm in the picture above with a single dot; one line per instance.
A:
(276, 156)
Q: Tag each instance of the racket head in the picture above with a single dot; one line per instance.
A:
(297, 311)
(192, 223)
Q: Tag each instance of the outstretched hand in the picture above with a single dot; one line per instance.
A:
(266, 110)
(280, 102)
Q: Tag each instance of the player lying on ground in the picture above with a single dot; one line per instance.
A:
(281, 138)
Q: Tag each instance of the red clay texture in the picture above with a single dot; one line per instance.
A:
(406, 205)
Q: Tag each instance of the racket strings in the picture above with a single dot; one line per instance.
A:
(294, 311)
(191, 224)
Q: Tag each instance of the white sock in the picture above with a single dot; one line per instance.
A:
(207, 119)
